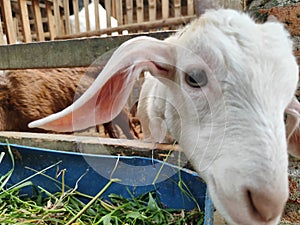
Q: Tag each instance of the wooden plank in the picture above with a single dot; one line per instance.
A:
(129, 11)
(57, 24)
(158, 24)
(119, 12)
(16, 26)
(97, 18)
(2, 36)
(190, 7)
(8, 22)
(165, 9)
(140, 10)
(50, 21)
(87, 15)
(76, 15)
(50, 18)
(108, 9)
(152, 9)
(25, 21)
(177, 8)
(66, 8)
(93, 145)
(62, 53)
(38, 20)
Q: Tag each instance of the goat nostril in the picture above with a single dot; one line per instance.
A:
(257, 207)
(252, 204)
(265, 205)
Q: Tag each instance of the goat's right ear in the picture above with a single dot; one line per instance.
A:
(106, 97)
(293, 127)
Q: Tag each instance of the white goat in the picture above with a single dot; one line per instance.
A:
(103, 19)
(221, 87)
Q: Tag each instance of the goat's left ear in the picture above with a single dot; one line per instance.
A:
(293, 127)
(106, 97)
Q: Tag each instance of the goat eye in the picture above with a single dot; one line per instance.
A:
(196, 78)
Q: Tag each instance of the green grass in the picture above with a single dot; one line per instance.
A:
(65, 207)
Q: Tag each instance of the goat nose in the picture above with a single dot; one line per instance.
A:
(268, 204)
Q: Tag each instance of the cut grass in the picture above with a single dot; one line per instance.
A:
(65, 207)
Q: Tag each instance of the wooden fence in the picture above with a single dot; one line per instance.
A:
(37, 20)
(40, 20)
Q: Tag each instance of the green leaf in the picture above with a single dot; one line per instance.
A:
(152, 205)
(134, 215)
(106, 219)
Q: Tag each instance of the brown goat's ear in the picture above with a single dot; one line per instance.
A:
(106, 97)
(293, 127)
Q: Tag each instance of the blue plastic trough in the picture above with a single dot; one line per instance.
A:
(137, 174)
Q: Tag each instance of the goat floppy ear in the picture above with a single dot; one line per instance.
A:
(106, 97)
(293, 127)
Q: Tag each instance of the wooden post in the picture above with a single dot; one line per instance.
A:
(129, 8)
(97, 20)
(152, 10)
(8, 22)
(25, 21)
(87, 15)
(57, 17)
(140, 10)
(108, 12)
(50, 19)
(38, 20)
(177, 8)
(2, 37)
(190, 7)
(165, 9)
(119, 12)
(67, 16)
(76, 11)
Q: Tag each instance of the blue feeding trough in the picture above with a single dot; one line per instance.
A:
(91, 172)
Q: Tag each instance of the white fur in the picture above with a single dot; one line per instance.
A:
(102, 17)
(232, 129)
(240, 146)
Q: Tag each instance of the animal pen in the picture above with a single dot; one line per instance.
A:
(48, 34)
(53, 34)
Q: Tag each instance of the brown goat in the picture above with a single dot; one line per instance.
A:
(28, 95)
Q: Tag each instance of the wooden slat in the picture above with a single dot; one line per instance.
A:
(63, 53)
(8, 22)
(108, 12)
(16, 27)
(38, 20)
(25, 21)
(76, 11)
(66, 17)
(140, 10)
(190, 7)
(57, 17)
(97, 18)
(157, 24)
(165, 9)
(50, 19)
(87, 15)
(93, 145)
(2, 37)
(129, 11)
(177, 8)
(119, 12)
(113, 8)
(152, 9)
